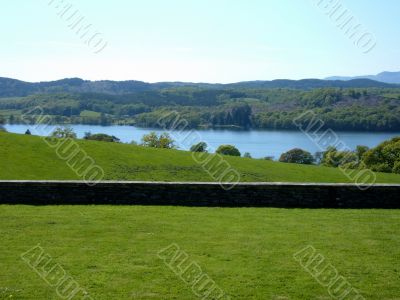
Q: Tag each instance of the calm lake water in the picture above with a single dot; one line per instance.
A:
(259, 143)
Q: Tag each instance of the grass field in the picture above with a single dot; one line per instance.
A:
(112, 251)
(9, 112)
(29, 157)
(89, 113)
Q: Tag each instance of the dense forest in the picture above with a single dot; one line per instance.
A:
(243, 105)
(16, 88)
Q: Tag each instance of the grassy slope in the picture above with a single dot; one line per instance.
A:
(248, 252)
(28, 157)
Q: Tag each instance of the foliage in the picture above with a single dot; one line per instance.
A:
(297, 156)
(360, 151)
(158, 141)
(2, 129)
(28, 132)
(247, 155)
(362, 109)
(396, 167)
(199, 147)
(385, 157)
(63, 133)
(101, 137)
(228, 150)
(318, 156)
(270, 158)
(335, 158)
(12, 87)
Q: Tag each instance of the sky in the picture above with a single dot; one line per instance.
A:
(194, 40)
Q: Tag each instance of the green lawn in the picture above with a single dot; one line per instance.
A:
(29, 157)
(112, 251)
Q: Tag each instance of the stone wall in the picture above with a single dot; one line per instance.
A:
(286, 195)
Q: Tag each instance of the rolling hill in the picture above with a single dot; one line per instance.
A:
(386, 77)
(16, 88)
(29, 157)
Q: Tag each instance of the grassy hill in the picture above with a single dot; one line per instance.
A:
(29, 157)
(111, 251)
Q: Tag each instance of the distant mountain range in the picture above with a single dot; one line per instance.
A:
(15, 88)
(386, 77)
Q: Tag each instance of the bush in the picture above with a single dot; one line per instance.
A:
(271, 158)
(200, 147)
(297, 156)
(228, 150)
(102, 137)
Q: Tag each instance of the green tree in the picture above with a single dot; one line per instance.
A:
(103, 119)
(199, 147)
(385, 157)
(165, 141)
(1, 124)
(153, 140)
(87, 135)
(360, 151)
(396, 167)
(228, 150)
(247, 155)
(335, 158)
(269, 158)
(297, 156)
(63, 133)
(150, 140)
(318, 157)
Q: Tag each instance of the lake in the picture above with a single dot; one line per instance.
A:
(259, 143)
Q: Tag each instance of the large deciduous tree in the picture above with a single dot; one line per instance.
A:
(297, 156)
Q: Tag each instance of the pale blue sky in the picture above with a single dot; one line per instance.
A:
(186, 40)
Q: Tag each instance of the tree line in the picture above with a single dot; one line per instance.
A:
(369, 109)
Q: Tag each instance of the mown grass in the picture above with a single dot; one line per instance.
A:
(112, 251)
(29, 157)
